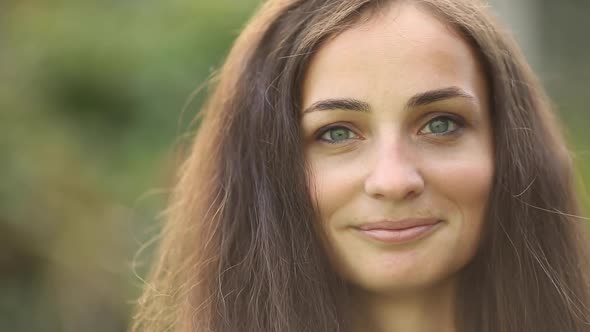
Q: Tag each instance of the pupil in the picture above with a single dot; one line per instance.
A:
(439, 126)
(338, 134)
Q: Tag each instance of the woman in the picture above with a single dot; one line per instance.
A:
(368, 165)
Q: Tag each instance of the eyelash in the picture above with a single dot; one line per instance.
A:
(457, 121)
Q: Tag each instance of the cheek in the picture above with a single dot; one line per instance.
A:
(464, 175)
(333, 185)
(466, 185)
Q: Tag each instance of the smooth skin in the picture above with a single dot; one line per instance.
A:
(396, 125)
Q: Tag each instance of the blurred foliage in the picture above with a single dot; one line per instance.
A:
(91, 108)
(91, 101)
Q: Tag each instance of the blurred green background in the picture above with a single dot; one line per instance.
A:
(91, 108)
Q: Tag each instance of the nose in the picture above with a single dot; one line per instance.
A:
(393, 175)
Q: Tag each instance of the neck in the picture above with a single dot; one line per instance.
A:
(426, 310)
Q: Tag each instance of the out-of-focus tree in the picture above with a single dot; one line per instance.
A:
(91, 96)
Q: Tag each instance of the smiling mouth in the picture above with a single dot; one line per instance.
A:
(400, 232)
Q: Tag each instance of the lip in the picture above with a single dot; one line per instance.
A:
(399, 231)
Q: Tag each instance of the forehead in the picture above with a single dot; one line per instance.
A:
(400, 50)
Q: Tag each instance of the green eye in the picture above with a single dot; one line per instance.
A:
(442, 125)
(337, 135)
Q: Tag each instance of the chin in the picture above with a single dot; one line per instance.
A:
(396, 283)
(401, 273)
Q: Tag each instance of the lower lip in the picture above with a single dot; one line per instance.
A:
(400, 235)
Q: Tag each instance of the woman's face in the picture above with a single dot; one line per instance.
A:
(396, 127)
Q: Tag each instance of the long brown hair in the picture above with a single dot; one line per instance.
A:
(241, 249)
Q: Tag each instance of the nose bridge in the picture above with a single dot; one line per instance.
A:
(390, 158)
(393, 171)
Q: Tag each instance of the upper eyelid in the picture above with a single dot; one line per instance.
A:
(437, 114)
(453, 117)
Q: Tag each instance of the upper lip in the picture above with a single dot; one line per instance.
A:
(398, 224)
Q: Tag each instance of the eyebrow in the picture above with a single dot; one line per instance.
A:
(419, 99)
